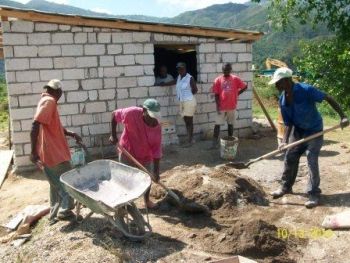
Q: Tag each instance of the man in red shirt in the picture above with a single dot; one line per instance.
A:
(226, 88)
(50, 151)
(141, 136)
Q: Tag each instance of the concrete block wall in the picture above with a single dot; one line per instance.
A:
(103, 69)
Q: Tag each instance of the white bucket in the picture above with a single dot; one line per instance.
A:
(228, 147)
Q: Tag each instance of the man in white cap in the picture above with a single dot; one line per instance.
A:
(301, 119)
(141, 136)
(50, 151)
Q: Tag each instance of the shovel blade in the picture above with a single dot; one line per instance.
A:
(238, 165)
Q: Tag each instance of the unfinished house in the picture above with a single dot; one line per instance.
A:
(111, 63)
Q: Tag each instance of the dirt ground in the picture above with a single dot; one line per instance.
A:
(235, 223)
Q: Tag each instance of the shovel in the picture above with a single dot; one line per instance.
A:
(242, 165)
(131, 158)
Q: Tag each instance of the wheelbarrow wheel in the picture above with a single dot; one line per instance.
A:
(131, 223)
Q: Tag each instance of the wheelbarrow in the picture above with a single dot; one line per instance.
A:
(109, 188)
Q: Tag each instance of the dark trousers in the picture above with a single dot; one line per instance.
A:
(291, 162)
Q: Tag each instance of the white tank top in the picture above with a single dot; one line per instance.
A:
(183, 88)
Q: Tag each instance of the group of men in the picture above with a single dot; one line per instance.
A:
(141, 136)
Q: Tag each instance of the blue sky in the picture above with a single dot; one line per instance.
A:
(159, 8)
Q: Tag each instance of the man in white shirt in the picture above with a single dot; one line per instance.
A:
(163, 77)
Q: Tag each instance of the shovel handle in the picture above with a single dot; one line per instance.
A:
(291, 145)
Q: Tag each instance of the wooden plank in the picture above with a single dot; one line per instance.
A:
(129, 25)
(264, 110)
(6, 158)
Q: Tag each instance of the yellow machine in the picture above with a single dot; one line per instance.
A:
(274, 62)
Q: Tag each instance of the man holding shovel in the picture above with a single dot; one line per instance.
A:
(50, 151)
(301, 119)
(141, 137)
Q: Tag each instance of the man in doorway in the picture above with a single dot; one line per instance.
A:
(50, 150)
(163, 76)
(301, 119)
(141, 137)
(226, 88)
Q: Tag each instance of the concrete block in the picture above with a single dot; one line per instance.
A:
(229, 57)
(90, 84)
(239, 47)
(126, 103)
(77, 96)
(72, 50)
(93, 107)
(88, 29)
(104, 37)
(64, 27)
(82, 119)
(247, 95)
(249, 47)
(10, 77)
(109, 83)
(126, 82)
(29, 100)
(242, 104)
(112, 105)
(17, 64)
(27, 76)
(11, 39)
(80, 38)
(106, 94)
(92, 38)
(26, 51)
(148, 70)
(148, 48)
(122, 93)
(68, 109)
(121, 37)
(158, 37)
(77, 29)
(21, 114)
(41, 63)
(27, 124)
(245, 57)
(223, 47)
(106, 61)
(145, 81)
(113, 72)
(114, 49)
(202, 78)
(207, 68)
(49, 51)
(93, 95)
(123, 60)
(22, 26)
(45, 27)
(144, 59)
(62, 38)
(39, 39)
(13, 102)
(208, 107)
(202, 98)
(239, 67)
(91, 73)
(85, 62)
(155, 91)
(206, 48)
(19, 88)
(16, 125)
(245, 114)
(64, 62)
(8, 52)
(46, 75)
(139, 92)
(212, 57)
(133, 71)
(141, 37)
(246, 76)
(102, 128)
(23, 163)
(132, 48)
(97, 49)
(18, 149)
(6, 26)
(73, 74)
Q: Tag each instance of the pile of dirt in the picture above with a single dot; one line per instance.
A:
(218, 188)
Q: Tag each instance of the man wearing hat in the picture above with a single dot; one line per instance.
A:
(301, 119)
(141, 136)
(50, 150)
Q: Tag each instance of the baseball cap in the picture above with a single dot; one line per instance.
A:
(281, 73)
(153, 108)
(54, 84)
(181, 65)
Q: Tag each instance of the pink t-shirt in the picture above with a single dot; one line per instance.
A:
(141, 140)
(228, 89)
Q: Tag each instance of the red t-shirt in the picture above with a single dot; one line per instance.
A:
(142, 141)
(228, 89)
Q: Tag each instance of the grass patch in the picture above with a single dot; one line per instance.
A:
(4, 107)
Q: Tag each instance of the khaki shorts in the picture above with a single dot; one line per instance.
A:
(188, 108)
(226, 116)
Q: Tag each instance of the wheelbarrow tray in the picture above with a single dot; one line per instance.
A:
(104, 185)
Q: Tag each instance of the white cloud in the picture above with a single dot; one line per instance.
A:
(101, 10)
(196, 4)
(66, 2)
